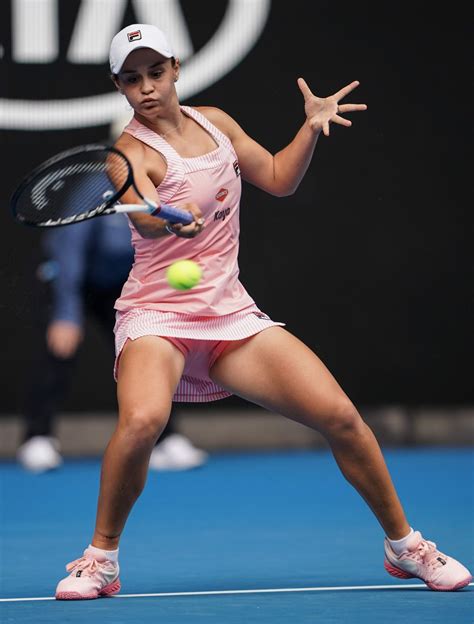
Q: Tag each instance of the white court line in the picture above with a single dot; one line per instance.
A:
(228, 592)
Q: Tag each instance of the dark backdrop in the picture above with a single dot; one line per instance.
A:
(370, 261)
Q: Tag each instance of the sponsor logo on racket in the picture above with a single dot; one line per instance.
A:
(222, 194)
(236, 168)
(135, 35)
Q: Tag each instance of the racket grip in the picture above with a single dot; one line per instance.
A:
(173, 214)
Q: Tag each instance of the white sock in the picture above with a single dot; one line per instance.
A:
(400, 545)
(112, 555)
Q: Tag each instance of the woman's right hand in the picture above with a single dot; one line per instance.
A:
(192, 229)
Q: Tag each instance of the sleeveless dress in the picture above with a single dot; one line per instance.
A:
(202, 320)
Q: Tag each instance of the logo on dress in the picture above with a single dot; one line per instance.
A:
(236, 168)
(222, 194)
(220, 215)
(262, 316)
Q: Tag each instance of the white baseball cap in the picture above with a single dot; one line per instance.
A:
(134, 37)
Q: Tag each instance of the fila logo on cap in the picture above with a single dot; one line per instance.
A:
(136, 35)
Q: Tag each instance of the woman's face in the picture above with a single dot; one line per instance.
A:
(147, 80)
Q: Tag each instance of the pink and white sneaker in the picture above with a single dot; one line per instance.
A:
(424, 561)
(90, 576)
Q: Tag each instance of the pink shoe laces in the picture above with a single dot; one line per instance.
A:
(88, 565)
(426, 553)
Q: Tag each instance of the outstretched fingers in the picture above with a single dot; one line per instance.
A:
(349, 108)
(339, 95)
(341, 121)
(337, 120)
(325, 127)
(305, 90)
(321, 112)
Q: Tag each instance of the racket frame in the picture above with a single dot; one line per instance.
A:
(109, 206)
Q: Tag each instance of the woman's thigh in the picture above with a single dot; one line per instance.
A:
(149, 372)
(278, 371)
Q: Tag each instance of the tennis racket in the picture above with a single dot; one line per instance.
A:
(81, 183)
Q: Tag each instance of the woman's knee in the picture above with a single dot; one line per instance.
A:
(342, 420)
(143, 425)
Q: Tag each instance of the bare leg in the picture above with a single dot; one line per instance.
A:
(278, 372)
(149, 372)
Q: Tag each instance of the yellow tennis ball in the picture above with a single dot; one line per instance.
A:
(183, 274)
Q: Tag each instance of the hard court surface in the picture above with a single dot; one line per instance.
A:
(249, 538)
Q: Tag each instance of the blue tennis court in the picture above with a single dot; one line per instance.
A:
(255, 537)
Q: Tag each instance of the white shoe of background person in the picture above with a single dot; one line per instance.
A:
(176, 452)
(39, 454)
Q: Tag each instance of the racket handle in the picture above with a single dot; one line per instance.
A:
(173, 214)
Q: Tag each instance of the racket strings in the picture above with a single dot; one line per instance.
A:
(56, 179)
(72, 187)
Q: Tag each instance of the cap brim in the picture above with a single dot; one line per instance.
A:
(138, 47)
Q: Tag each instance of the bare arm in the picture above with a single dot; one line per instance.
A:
(281, 174)
(147, 225)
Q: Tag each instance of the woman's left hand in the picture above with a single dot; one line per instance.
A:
(320, 112)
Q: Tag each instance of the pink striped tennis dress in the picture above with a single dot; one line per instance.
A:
(200, 321)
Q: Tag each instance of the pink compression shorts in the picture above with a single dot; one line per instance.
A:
(200, 339)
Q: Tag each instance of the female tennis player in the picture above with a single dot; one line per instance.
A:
(213, 340)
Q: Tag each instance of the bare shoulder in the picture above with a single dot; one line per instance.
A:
(130, 146)
(145, 160)
(220, 119)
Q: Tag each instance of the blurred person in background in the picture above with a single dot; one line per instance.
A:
(82, 275)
